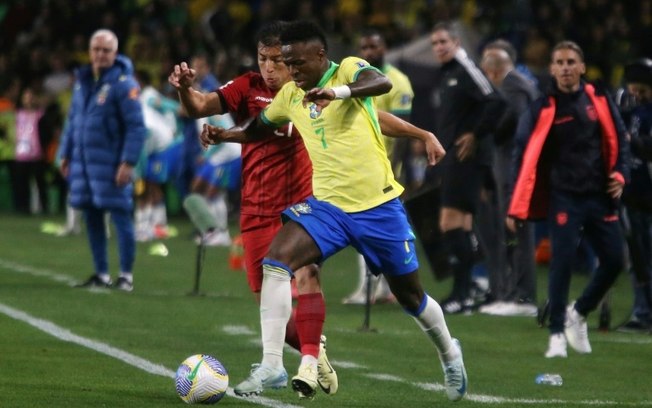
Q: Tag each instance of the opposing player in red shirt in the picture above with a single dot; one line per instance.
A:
(276, 173)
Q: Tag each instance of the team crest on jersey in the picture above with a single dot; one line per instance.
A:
(103, 93)
(452, 82)
(314, 111)
(562, 218)
(405, 99)
(301, 208)
(591, 113)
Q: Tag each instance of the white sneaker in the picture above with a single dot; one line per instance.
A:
(576, 330)
(455, 379)
(326, 375)
(556, 346)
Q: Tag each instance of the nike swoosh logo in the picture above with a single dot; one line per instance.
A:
(408, 259)
(193, 374)
(327, 390)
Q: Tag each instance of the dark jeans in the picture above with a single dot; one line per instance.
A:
(595, 217)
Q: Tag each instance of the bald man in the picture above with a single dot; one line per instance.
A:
(512, 278)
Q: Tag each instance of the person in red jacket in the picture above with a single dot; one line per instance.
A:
(571, 164)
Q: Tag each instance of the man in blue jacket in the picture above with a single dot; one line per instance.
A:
(101, 144)
(571, 166)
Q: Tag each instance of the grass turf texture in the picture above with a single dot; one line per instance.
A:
(160, 322)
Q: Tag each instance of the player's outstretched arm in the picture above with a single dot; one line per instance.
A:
(369, 83)
(249, 131)
(194, 103)
(393, 126)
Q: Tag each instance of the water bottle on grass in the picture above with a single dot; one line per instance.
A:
(549, 379)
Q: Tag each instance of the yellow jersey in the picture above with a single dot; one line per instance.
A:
(350, 165)
(398, 101)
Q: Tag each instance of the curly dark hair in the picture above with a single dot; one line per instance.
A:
(302, 31)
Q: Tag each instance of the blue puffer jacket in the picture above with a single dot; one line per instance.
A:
(105, 128)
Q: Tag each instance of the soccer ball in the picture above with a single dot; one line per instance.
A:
(201, 379)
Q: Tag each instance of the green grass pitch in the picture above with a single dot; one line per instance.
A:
(65, 347)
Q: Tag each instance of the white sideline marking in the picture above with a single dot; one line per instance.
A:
(131, 359)
(37, 272)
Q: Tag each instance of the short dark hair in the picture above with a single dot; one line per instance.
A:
(504, 45)
(448, 27)
(568, 45)
(270, 34)
(372, 32)
(302, 31)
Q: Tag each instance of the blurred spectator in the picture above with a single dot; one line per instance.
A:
(512, 278)
(466, 106)
(191, 151)
(8, 142)
(30, 163)
(637, 196)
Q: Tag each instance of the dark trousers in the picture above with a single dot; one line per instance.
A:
(595, 217)
(95, 225)
(24, 173)
(639, 241)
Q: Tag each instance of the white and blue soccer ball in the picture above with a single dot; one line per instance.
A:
(201, 379)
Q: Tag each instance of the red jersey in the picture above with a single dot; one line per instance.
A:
(276, 170)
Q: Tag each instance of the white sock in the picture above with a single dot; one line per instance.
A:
(432, 322)
(128, 276)
(275, 310)
(308, 359)
(73, 219)
(220, 211)
(362, 277)
(159, 215)
(104, 277)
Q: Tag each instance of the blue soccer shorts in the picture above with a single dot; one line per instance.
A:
(163, 165)
(381, 234)
(225, 175)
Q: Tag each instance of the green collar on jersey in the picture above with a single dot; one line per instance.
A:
(328, 74)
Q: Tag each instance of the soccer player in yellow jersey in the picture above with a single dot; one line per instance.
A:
(355, 198)
(398, 101)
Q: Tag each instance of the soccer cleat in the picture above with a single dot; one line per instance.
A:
(306, 381)
(326, 375)
(556, 346)
(455, 378)
(260, 378)
(95, 282)
(576, 330)
(124, 284)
